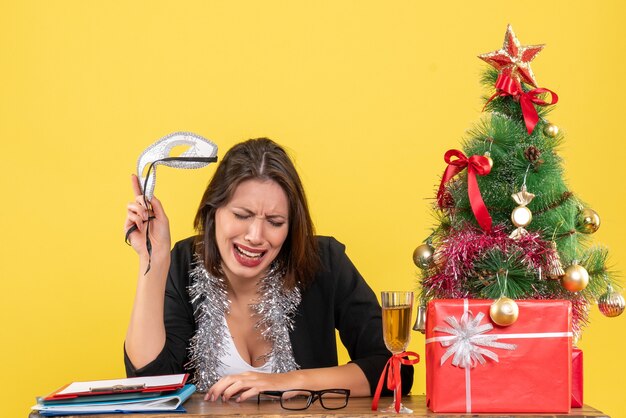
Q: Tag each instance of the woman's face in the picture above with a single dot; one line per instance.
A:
(251, 229)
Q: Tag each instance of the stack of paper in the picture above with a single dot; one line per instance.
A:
(138, 394)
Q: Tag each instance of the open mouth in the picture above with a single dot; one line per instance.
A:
(248, 256)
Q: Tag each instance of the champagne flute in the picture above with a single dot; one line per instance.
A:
(397, 307)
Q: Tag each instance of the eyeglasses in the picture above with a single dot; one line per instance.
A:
(299, 399)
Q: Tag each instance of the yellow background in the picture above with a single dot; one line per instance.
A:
(367, 95)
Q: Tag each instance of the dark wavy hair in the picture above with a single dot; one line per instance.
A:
(260, 159)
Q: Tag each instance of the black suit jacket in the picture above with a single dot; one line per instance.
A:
(339, 298)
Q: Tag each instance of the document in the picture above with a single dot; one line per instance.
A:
(171, 401)
(116, 386)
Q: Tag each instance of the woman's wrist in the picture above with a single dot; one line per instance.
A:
(297, 379)
(157, 260)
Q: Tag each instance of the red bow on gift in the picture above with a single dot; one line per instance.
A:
(394, 380)
(476, 164)
(506, 86)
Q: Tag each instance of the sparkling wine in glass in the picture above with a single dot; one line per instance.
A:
(397, 306)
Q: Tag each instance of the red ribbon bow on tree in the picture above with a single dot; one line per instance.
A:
(476, 164)
(394, 380)
(507, 86)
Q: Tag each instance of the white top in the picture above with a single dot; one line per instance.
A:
(234, 364)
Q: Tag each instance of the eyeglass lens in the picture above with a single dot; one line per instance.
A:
(334, 399)
(299, 399)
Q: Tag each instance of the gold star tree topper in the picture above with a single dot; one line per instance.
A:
(514, 59)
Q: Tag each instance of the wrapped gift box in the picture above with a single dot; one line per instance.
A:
(577, 378)
(525, 367)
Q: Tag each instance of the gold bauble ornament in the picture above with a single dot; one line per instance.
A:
(611, 304)
(423, 255)
(588, 221)
(504, 311)
(551, 130)
(575, 278)
(487, 155)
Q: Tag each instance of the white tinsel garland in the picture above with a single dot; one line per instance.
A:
(275, 308)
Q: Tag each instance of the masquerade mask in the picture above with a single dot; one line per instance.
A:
(201, 152)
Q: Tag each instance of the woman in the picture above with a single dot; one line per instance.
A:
(252, 302)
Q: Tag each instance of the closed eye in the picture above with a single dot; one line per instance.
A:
(241, 215)
(275, 223)
(274, 220)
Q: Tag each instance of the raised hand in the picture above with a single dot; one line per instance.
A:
(138, 213)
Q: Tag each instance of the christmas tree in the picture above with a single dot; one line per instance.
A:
(509, 226)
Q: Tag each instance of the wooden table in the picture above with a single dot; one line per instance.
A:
(357, 407)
